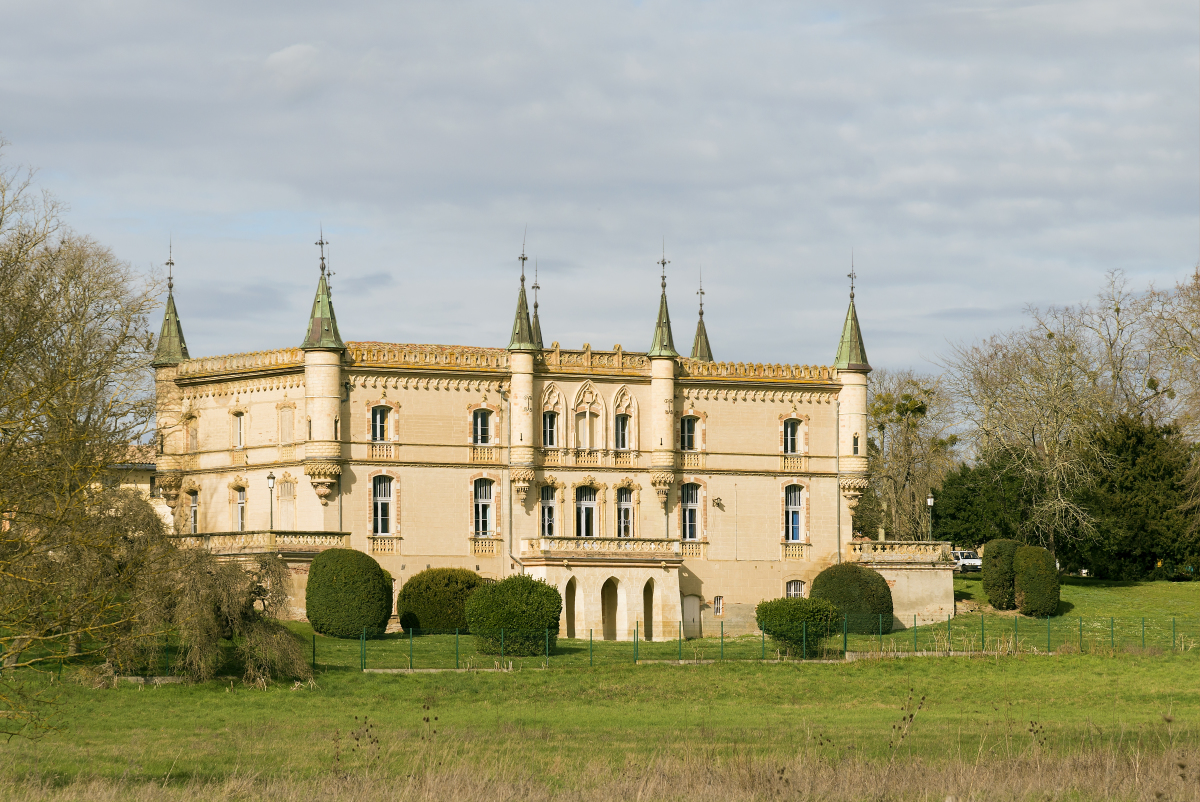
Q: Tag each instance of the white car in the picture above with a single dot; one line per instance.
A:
(967, 561)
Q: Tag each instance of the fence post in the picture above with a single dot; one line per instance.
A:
(881, 633)
(1172, 633)
(764, 644)
(1112, 633)
(1016, 634)
(722, 640)
(1047, 634)
(681, 641)
(314, 651)
(410, 631)
(982, 635)
(914, 634)
(589, 648)
(845, 633)
(949, 638)
(804, 639)
(636, 625)
(1081, 634)
(502, 647)
(547, 647)
(362, 651)
(456, 648)
(1143, 632)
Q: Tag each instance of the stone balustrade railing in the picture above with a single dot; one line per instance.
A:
(262, 541)
(900, 551)
(233, 363)
(605, 546)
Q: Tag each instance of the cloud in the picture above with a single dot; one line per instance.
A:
(977, 157)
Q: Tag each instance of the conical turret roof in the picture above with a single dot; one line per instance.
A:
(172, 349)
(322, 323)
(851, 353)
(663, 344)
(700, 347)
(522, 333)
(537, 328)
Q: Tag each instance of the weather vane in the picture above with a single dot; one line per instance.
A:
(322, 242)
(536, 286)
(851, 275)
(700, 291)
(170, 265)
(664, 262)
(523, 258)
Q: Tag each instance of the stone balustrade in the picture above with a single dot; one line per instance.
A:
(900, 551)
(616, 547)
(264, 541)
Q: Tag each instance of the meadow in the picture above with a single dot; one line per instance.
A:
(1109, 723)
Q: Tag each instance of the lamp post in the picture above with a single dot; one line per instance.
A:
(271, 496)
(929, 517)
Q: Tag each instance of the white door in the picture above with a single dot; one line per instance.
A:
(691, 617)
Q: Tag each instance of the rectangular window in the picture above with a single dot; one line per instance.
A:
(550, 430)
(381, 494)
(239, 440)
(547, 511)
(287, 505)
(193, 435)
(690, 503)
(379, 424)
(483, 508)
(336, 429)
(718, 605)
(795, 589)
(241, 509)
(793, 509)
(855, 447)
(155, 492)
(624, 512)
(791, 437)
(621, 433)
(286, 416)
(585, 512)
(687, 434)
(481, 429)
(193, 512)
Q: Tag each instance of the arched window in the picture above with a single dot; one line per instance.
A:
(379, 423)
(687, 434)
(791, 436)
(547, 511)
(239, 431)
(854, 448)
(239, 513)
(585, 512)
(795, 589)
(621, 433)
(624, 512)
(793, 512)
(193, 512)
(484, 519)
(481, 427)
(286, 418)
(586, 430)
(287, 505)
(690, 500)
(381, 498)
(193, 435)
(549, 430)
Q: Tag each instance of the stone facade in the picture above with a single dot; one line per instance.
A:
(650, 488)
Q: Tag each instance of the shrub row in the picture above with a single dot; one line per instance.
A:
(1023, 578)
(523, 607)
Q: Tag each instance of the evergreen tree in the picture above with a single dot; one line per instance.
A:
(978, 503)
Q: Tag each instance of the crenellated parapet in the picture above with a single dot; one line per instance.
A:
(425, 357)
(253, 361)
(756, 372)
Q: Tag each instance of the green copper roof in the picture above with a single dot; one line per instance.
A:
(537, 328)
(322, 323)
(663, 343)
(171, 348)
(522, 333)
(700, 347)
(852, 354)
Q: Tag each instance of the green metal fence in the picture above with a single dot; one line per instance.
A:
(853, 636)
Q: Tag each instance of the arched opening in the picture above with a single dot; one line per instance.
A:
(648, 609)
(569, 603)
(608, 608)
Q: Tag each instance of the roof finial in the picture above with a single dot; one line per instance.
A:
(170, 265)
(322, 242)
(851, 275)
(536, 286)
(664, 262)
(523, 258)
(700, 291)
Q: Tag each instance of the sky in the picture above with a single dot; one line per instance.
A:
(976, 158)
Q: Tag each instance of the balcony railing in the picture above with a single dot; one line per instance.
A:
(886, 551)
(487, 454)
(383, 451)
(625, 459)
(287, 453)
(691, 460)
(485, 546)
(588, 457)
(552, 456)
(793, 463)
(615, 547)
(384, 544)
(795, 550)
(262, 541)
(695, 549)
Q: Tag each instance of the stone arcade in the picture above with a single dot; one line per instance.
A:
(654, 490)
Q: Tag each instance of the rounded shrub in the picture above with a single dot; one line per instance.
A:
(798, 623)
(859, 593)
(998, 573)
(347, 592)
(1036, 581)
(514, 616)
(436, 598)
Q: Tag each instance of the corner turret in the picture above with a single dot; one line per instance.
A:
(700, 347)
(172, 349)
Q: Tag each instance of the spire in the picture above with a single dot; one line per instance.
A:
(537, 324)
(171, 348)
(663, 344)
(700, 347)
(852, 354)
(322, 323)
(522, 333)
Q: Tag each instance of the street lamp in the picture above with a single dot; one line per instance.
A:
(929, 523)
(271, 496)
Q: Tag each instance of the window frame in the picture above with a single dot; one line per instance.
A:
(194, 511)
(688, 424)
(718, 606)
(586, 510)
(239, 429)
(854, 445)
(546, 514)
(625, 515)
(689, 512)
(793, 514)
(239, 509)
(796, 585)
(483, 509)
(621, 424)
(481, 427)
(381, 423)
(791, 436)
(549, 428)
(382, 506)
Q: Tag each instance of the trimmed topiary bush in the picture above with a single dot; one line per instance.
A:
(436, 598)
(998, 573)
(797, 623)
(859, 593)
(523, 607)
(347, 591)
(1036, 581)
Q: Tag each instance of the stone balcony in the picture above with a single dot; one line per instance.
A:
(287, 543)
(606, 549)
(588, 457)
(893, 552)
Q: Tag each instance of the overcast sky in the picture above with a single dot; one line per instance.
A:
(976, 156)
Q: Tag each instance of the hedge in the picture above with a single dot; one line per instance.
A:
(1036, 581)
(797, 623)
(514, 615)
(436, 598)
(998, 577)
(347, 592)
(859, 593)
